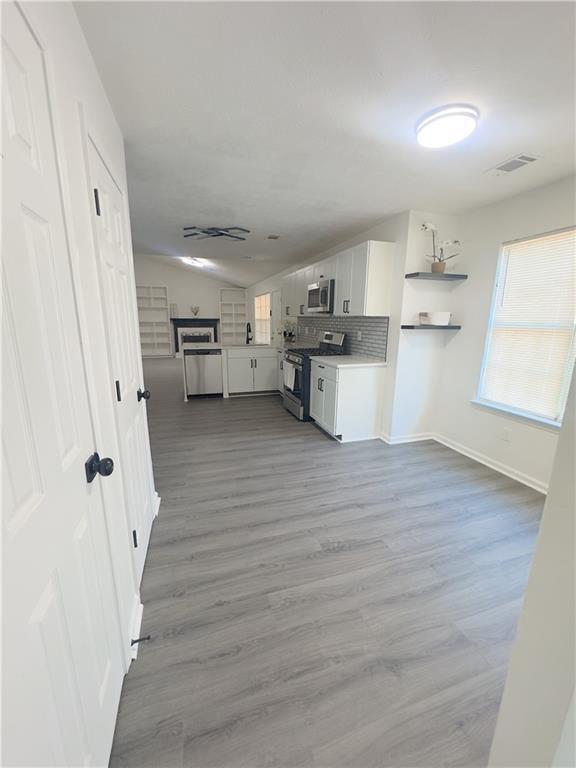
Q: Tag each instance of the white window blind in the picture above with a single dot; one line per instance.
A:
(262, 319)
(530, 346)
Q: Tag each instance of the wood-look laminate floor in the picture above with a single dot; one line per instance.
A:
(315, 604)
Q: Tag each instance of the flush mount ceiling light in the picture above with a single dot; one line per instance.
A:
(447, 125)
(193, 262)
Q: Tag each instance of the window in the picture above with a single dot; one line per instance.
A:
(529, 353)
(263, 324)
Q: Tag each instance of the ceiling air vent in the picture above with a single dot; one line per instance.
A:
(273, 237)
(513, 164)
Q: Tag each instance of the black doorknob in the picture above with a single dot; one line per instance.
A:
(94, 465)
(143, 395)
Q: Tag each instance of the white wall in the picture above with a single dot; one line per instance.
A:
(530, 451)
(186, 286)
(419, 353)
(532, 722)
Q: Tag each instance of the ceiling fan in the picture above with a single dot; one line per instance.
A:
(201, 233)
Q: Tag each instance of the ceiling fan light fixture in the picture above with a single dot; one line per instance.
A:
(447, 125)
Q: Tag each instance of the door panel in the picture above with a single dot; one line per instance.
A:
(265, 374)
(343, 281)
(358, 280)
(316, 399)
(330, 402)
(63, 661)
(240, 374)
(118, 295)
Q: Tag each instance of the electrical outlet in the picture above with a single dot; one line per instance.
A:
(506, 436)
(358, 335)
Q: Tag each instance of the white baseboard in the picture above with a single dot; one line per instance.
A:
(504, 469)
(398, 440)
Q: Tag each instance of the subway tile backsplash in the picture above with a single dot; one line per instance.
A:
(374, 332)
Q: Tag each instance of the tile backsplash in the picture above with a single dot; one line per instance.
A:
(374, 332)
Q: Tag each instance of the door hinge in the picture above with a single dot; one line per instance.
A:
(118, 393)
(97, 202)
(135, 539)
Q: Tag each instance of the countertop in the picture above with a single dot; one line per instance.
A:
(350, 361)
(247, 346)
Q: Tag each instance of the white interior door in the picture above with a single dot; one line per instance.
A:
(63, 660)
(118, 294)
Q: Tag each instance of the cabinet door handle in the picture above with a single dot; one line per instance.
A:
(251, 363)
(287, 310)
(321, 366)
(256, 362)
(301, 309)
(344, 306)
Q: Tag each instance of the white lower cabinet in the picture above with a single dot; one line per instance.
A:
(240, 374)
(250, 369)
(265, 374)
(280, 364)
(346, 400)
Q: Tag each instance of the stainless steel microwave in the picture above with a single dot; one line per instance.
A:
(321, 297)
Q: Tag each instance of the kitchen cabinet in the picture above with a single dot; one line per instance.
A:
(265, 374)
(280, 370)
(323, 397)
(364, 279)
(240, 374)
(305, 278)
(250, 369)
(346, 397)
(290, 295)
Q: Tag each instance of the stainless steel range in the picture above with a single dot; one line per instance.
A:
(296, 367)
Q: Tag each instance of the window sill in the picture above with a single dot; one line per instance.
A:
(535, 421)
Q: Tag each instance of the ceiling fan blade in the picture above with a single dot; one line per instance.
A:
(187, 228)
(236, 229)
(233, 237)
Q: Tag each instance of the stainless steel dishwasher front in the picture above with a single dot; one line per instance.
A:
(203, 371)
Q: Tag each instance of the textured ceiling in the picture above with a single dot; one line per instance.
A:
(298, 118)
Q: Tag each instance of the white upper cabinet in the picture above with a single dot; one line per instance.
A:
(287, 295)
(363, 279)
(362, 276)
(325, 269)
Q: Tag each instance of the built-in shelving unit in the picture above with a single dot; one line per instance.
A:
(233, 317)
(431, 327)
(446, 277)
(154, 320)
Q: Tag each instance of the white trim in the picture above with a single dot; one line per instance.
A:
(535, 421)
(504, 469)
(481, 458)
(407, 438)
(157, 502)
(137, 624)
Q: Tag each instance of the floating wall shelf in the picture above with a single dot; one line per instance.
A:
(431, 327)
(447, 277)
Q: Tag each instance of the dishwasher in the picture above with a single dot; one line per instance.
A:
(203, 368)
